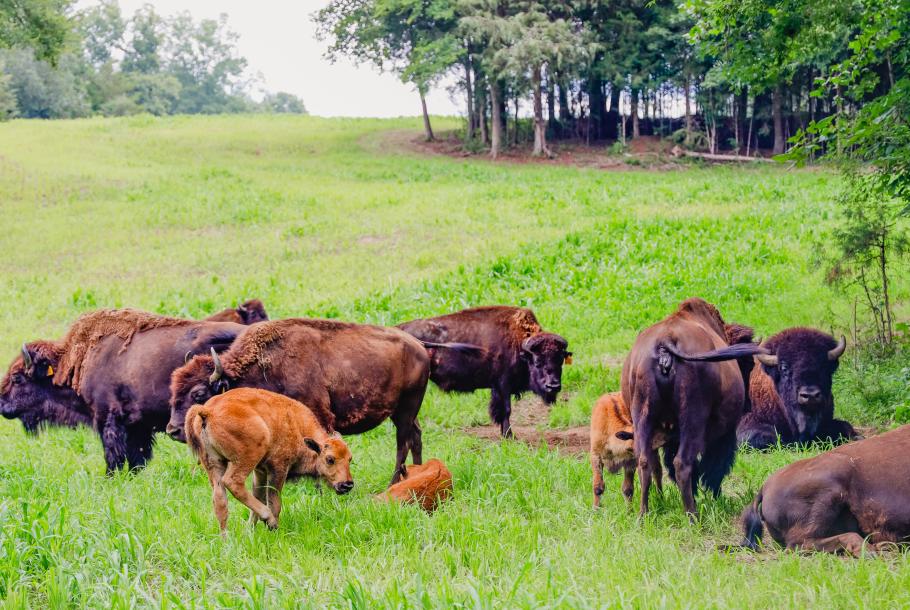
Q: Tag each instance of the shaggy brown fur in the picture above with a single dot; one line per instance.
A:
(91, 328)
(704, 399)
(352, 376)
(850, 499)
(515, 355)
(612, 446)
(428, 485)
(274, 437)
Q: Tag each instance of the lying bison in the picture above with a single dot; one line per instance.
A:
(72, 411)
(703, 398)
(791, 393)
(517, 356)
(113, 365)
(248, 312)
(352, 376)
(838, 500)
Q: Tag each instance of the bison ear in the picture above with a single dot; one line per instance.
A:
(568, 358)
(312, 444)
(624, 436)
(220, 386)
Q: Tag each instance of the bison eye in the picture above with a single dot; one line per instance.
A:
(199, 396)
(783, 367)
(330, 460)
(18, 379)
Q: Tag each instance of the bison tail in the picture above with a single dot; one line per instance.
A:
(732, 352)
(753, 527)
(464, 348)
(194, 435)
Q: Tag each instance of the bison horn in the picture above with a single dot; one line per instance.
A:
(219, 371)
(26, 357)
(838, 350)
(766, 357)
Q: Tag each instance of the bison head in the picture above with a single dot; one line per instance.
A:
(802, 362)
(28, 393)
(544, 354)
(333, 462)
(193, 384)
(252, 311)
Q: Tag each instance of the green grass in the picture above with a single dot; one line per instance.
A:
(324, 217)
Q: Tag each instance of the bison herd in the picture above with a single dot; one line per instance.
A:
(272, 398)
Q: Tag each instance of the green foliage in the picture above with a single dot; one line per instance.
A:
(42, 91)
(185, 215)
(283, 103)
(37, 24)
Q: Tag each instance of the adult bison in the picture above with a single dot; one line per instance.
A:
(113, 364)
(352, 376)
(838, 500)
(248, 312)
(516, 356)
(72, 412)
(791, 393)
(703, 397)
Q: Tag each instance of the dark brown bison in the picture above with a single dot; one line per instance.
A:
(702, 397)
(837, 501)
(516, 356)
(352, 376)
(74, 412)
(791, 392)
(248, 312)
(114, 365)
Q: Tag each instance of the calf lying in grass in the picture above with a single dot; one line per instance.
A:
(612, 447)
(427, 484)
(275, 437)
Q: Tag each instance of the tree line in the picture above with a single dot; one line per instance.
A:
(96, 61)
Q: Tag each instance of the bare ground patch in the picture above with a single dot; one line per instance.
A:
(529, 420)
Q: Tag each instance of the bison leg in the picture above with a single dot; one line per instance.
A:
(657, 473)
(215, 471)
(597, 468)
(755, 433)
(260, 490)
(837, 431)
(644, 452)
(850, 542)
(501, 409)
(276, 484)
(716, 461)
(235, 481)
(139, 445)
(628, 483)
(691, 444)
(416, 443)
(113, 438)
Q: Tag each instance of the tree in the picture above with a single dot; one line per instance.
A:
(283, 103)
(42, 91)
(38, 24)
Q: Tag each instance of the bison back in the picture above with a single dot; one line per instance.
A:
(428, 485)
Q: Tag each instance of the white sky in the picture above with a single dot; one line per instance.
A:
(278, 40)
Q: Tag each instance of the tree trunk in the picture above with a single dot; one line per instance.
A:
(687, 94)
(611, 127)
(427, 128)
(634, 109)
(515, 125)
(742, 109)
(551, 101)
(565, 113)
(496, 113)
(469, 91)
(540, 127)
(778, 116)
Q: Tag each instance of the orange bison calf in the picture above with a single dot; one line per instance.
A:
(612, 446)
(427, 484)
(275, 437)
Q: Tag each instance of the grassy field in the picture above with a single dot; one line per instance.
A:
(185, 216)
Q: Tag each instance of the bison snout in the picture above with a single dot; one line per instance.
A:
(176, 433)
(343, 487)
(553, 386)
(809, 395)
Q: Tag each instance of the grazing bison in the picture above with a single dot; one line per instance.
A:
(428, 485)
(248, 312)
(517, 356)
(114, 366)
(71, 412)
(791, 394)
(836, 501)
(702, 397)
(274, 437)
(611, 445)
(353, 376)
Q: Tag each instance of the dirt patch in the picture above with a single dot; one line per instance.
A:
(529, 420)
(651, 153)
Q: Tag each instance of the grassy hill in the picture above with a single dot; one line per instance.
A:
(185, 216)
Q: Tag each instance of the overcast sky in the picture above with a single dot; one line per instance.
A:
(277, 39)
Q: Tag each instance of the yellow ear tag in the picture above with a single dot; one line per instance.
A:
(568, 359)
(50, 370)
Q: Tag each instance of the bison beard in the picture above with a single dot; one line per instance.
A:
(516, 356)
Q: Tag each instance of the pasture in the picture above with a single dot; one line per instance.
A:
(326, 218)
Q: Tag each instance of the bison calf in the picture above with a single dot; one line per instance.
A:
(427, 484)
(612, 446)
(275, 437)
